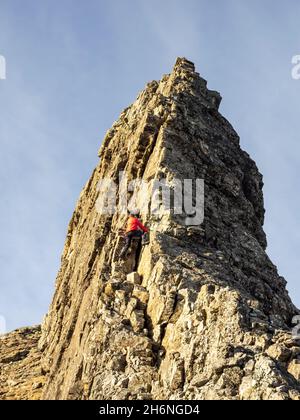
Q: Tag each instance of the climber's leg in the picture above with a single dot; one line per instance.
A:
(128, 240)
(138, 253)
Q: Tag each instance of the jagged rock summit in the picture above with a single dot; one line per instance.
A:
(205, 314)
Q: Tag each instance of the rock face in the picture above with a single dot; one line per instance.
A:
(20, 373)
(202, 313)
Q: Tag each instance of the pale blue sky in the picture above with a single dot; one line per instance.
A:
(72, 66)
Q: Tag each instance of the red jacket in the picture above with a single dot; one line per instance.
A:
(134, 224)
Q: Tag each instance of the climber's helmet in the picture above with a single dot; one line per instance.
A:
(135, 213)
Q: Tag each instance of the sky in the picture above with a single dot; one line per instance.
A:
(72, 66)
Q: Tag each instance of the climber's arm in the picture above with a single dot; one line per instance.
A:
(141, 226)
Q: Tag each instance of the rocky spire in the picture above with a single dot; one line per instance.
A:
(205, 315)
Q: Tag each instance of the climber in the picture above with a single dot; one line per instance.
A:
(135, 229)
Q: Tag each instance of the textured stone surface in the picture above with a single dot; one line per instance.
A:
(20, 371)
(208, 316)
